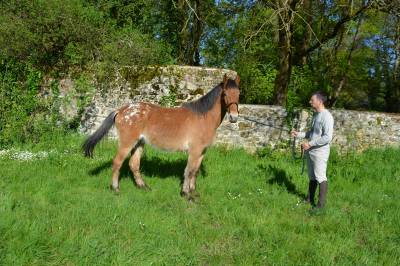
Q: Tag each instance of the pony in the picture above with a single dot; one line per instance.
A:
(190, 127)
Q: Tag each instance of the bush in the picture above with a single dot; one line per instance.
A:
(24, 115)
(50, 33)
(128, 46)
(257, 84)
(57, 38)
(56, 34)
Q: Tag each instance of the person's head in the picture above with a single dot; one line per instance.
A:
(318, 100)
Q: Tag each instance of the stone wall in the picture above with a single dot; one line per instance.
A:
(262, 125)
(258, 125)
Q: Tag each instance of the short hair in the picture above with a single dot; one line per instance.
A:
(320, 96)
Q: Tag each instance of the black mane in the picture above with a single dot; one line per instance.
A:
(205, 103)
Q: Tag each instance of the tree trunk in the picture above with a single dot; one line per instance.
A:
(183, 32)
(190, 32)
(307, 36)
(197, 30)
(284, 69)
(285, 32)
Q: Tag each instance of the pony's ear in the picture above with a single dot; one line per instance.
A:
(237, 80)
(225, 81)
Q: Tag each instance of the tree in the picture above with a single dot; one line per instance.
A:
(288, 13)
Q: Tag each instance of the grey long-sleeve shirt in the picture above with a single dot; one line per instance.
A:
(321, 133)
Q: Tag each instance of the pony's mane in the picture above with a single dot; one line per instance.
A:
(206, 102)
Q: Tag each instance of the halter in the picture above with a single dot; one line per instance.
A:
(237, 106)
(229, 104)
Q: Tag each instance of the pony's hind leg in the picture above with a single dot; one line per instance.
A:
(134, 164)
(117, 163)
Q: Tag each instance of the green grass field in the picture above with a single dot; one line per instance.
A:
(58, 210)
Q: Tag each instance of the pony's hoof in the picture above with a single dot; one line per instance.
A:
(194, 199)
(190, 196)
(195, 194)
(185, 195)
(144, 187)
(116, 190)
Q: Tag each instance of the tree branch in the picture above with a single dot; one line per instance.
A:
(335, 30)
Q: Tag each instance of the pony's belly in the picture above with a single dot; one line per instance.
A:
(168, 143)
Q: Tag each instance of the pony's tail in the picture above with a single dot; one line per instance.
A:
(91, 141)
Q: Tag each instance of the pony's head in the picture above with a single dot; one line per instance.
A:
(230, 97)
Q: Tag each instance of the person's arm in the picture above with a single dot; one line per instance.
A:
(326, 137)
(303, 135)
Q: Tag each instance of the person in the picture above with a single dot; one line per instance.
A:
(317, 149)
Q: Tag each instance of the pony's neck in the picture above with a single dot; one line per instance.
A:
(218, 111)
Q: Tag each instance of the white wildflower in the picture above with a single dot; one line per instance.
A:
(4, 153)
(25, 155)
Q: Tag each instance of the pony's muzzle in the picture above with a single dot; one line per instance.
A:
(233, 118)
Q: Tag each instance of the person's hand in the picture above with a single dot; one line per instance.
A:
(306, 146)
(294, 133)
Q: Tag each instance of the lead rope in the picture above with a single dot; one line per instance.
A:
(293, 141)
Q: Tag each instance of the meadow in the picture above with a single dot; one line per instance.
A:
(56, 208)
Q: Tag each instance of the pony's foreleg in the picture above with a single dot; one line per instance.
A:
(189, 182)
(117, 162)
(192, 180)
(134, 164)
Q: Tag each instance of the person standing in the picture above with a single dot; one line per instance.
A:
(317, 148)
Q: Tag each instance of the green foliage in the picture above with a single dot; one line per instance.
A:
(52, 33)
(230, 42)
(83, 90)
(301, 86)
(24, 115)
(357, 66)
(56, 39)
(59, 210)
(257, 83)
(60, 34)
(128, 46)
(30, 110)
(169, 100)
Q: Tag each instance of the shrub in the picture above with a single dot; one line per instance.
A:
(24, 115)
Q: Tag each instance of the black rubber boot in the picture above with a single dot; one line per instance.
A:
(323, 189)
(312, 187)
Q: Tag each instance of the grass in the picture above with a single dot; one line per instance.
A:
(58, 210)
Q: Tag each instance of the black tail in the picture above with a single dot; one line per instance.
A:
(91, 141)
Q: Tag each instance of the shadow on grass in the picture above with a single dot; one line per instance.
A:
(280, 177)
(150, 167)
